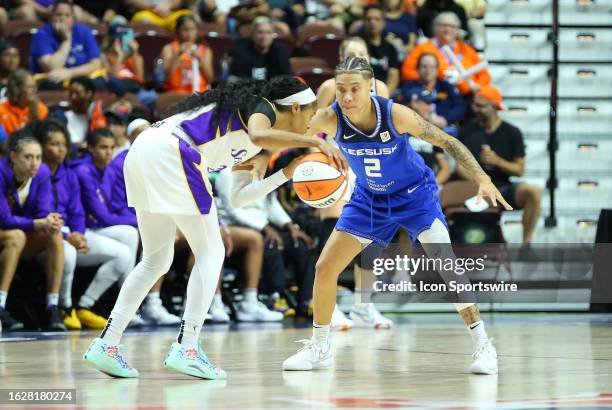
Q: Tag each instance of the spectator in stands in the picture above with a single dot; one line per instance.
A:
(3, 17)
(157, 12)
(446, 27)
(117, 124)
(500, 150)
(63, 49)
(260, 58)
(85, 114)
(245, 12)
(187, 64)
(27, 224)
(475, 11)
(325, 11)
(434, 157)
(81, 247)
(9, 63)
(121, 57)
(35, 10)
(383, 55)
(400, 27)
(449, 107)
(22, 104)
(428, 12)
(96, 180)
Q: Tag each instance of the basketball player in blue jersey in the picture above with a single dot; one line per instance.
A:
(393, 188)
(361, 314)
(167, 183)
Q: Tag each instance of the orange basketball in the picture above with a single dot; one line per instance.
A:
(318, 182)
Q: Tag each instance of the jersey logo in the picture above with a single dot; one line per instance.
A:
(413, 189)
(348, 137)
(384, 136)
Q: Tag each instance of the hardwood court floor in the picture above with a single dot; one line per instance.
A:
(546, 361)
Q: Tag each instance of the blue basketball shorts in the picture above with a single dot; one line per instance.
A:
(377, 217)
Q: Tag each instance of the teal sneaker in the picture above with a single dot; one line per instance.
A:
(108, 359)
(193, 362)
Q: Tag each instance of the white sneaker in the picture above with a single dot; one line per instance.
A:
(217, 313)
(154, 312)
(339, 321)
(257, 312)
(137, 321)
(369, 316)
(485, 359)
(310, 357)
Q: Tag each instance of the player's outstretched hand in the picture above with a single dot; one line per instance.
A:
(335, 154)
(486, 189)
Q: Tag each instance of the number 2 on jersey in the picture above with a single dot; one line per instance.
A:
(372, 167)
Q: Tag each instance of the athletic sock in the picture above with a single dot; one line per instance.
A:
(3, 296)
(250, 296)
(110, 334)
(151, 297)
(52, 299)
(478, 333)
(358, 300)
(189, 333)
(320, 333)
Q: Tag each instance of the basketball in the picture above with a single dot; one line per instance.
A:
(318, 182)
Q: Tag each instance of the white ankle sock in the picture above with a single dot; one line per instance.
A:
(189, 333)
(250, 296)
(478, 333)
(111, 334)
(3, 296)
(152, 296)
(217, 300)
(320, 333)
(52, 299)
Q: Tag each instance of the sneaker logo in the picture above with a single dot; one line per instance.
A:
(348, 137)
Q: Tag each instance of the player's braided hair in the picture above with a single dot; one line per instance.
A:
(355, 65)
(242, 94)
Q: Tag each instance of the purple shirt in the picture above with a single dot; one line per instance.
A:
(66, 198)
(13, 215)
(96, 194)
(119, 201)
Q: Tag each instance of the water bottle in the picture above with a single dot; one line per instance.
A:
(158, 71)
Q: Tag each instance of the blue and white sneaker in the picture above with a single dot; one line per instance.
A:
(108, 359)
(192, 361)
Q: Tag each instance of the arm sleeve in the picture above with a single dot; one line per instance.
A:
(245, 190)
(393, 57)
(408, 69)
(95, 208)
(518, 143)
(223, 184)
(276, 214)
(41, 46)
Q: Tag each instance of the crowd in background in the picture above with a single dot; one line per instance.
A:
(62, 194)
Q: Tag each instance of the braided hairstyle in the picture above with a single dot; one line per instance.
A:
(355, 65)
(242, 95)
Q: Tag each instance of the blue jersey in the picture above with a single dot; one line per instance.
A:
(383, 160)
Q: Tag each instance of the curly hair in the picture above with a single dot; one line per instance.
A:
(242, 95)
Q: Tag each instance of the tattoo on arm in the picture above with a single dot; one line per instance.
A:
(454, 147)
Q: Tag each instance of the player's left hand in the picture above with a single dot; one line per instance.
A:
(486, 189)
